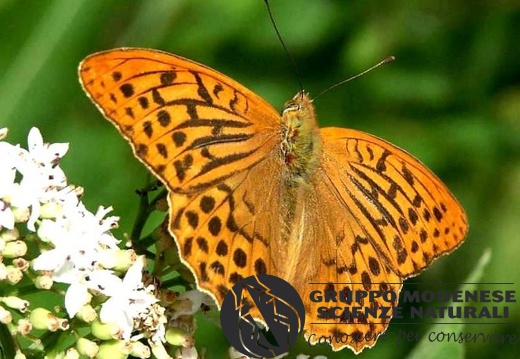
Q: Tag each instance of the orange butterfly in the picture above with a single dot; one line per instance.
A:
(252, 191)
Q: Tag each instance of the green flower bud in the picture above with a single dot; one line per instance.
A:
(21, 263)
(105, 331)
(139, 350)
(16, 303)
(87, 314)
(113, 349)
(71, 353)
(21, 214)
(43, 282)
(178, 337)
(124, 259)
(10, 235)
(42, 318)
(15, 249)
(24, 326)
(13, 274)
(87, 347)
(5, 316)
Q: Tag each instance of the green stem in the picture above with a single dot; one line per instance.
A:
(146, 208)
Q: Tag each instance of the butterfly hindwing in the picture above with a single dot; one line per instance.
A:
(344, 262)
(225, 233)
(410, 217)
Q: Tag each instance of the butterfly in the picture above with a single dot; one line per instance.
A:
(252, 191)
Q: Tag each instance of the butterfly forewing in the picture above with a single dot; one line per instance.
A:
(214, 145)
(191, 125)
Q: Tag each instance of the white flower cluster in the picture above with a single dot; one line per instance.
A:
(76, 247)
(41, 182)
(80, 243)
(44, 222)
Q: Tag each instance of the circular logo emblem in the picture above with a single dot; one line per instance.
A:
(271, 300)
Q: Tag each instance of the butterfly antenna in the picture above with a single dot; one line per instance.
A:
(291, 60)
(385, 61)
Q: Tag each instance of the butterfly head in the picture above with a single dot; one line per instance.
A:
(300, 137)
(299, 110)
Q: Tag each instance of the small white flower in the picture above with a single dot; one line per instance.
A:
(78, 292)
(69, 256)
(128, 299)
(42, 153)
(25, 195)
(78, 236)
(40, 173)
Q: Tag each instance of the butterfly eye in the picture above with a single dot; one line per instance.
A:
(290, 107)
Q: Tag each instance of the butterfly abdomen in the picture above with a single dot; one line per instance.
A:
(301, 144)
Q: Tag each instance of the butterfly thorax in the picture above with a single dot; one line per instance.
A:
(300, 152)
(301, 143)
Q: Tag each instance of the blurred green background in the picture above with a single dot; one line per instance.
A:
(452, 98)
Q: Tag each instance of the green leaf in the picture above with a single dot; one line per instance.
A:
(6, 343)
